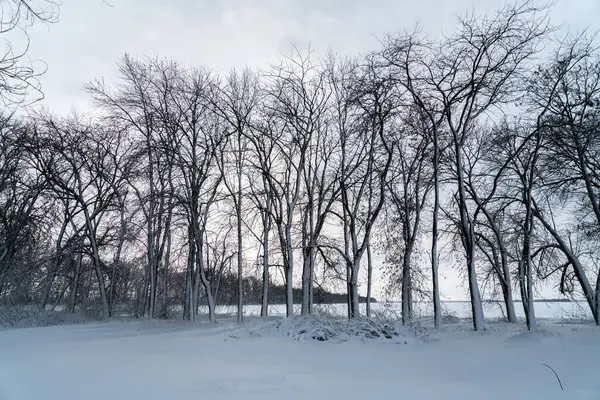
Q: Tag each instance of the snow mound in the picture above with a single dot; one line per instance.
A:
(532, 336)
(31, 316)
(327, 328)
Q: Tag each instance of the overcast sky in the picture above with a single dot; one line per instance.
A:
(92, 35)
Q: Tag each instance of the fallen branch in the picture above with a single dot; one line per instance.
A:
(555, 374)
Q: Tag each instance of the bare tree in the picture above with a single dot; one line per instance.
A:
(518, 149)
(17, 77)
(474, 71)
(296, 101)
(565, 97)
(260, 182)
(197, 136)
(77, 160)
(413, 59)
(484, 171)
(239, 100)
(24, 209)
(410, 182)
(320, 184)
(136, 105)
(366, 155)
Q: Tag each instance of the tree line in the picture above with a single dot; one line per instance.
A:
(486, 139)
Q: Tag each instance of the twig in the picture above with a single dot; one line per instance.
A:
(555, 374)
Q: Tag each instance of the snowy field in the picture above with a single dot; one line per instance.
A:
(271, 359)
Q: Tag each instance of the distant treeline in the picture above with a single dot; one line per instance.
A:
(227, 294)
(556, 300)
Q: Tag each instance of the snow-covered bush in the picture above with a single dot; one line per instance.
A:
(326, 328)
(31, 316)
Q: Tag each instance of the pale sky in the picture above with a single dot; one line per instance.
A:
(92, 35)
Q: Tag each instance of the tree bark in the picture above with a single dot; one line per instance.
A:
(289, 273)
(407, 285)
(264, 311)
(76, 282)
(525, 269)
(369, 278)
(97, 263)
(437, 307)
(58, 256)
(589, 293)
(467, 233)
(238, 206)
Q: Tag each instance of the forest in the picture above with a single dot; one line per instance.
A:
(187, 188)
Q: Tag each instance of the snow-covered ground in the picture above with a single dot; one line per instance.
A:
(181, 360)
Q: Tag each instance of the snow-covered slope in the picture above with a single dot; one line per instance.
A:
(261, 360)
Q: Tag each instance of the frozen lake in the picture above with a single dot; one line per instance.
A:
(567, 311)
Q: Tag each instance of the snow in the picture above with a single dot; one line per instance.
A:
(266, 359)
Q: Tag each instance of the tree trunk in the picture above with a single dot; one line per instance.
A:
(348, 264)
(164, 310)
(51, 277)
(307, 276)
(111, 289)
(150, 251)
(509, 303)
(289, 273)
(437, 307)
(191, 274)
(289, 294)
(349, 289)
(305, 282)
(354, 298)
(212, 317)
(76, 283)
(152, 290)
(56, 264)
(88, 288)
(502, 270)
(578, 268)
(524, 293)
(308, 257)
(311, 285)
(188, 289)
(60, 297)
(476, 305)
(97, 264)
(532, 325)
(597, 303)
(201, 278)
(369, 278)
(406, 287)
(144, 295)
(264, 310)
(467, 233)
(195, 290)
(525, 272)
(117, 258)
(507, 288)
(240, 313)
